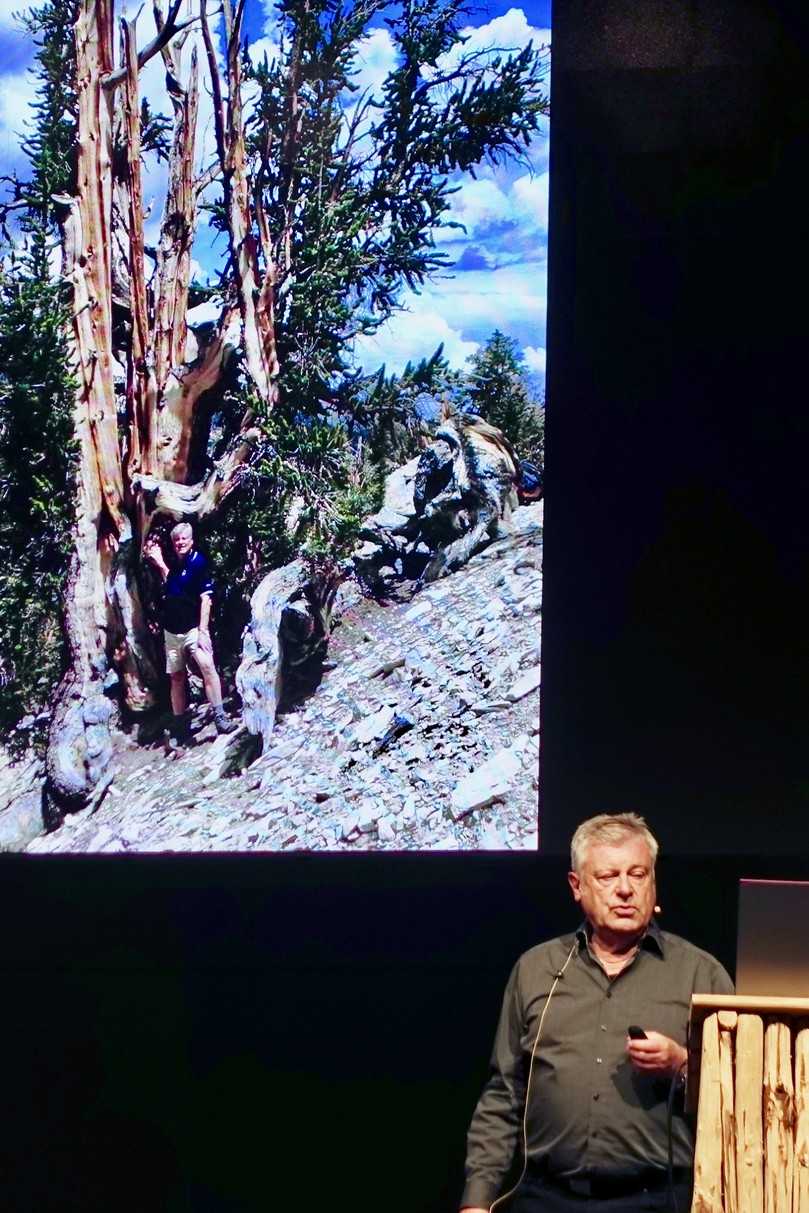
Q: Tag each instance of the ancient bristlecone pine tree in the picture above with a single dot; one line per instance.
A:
(329, 205)
(124, 484)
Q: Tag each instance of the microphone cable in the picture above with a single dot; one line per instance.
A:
(675, 1083)
(557, 977)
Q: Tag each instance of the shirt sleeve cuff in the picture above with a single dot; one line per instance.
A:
(478, 1194)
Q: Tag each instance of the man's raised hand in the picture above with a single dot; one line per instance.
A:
(153, 552)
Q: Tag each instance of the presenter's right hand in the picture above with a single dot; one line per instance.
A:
(656, 1054)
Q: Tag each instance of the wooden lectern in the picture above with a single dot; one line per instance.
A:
(748, 1081)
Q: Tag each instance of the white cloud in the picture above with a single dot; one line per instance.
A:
(16, 95)
(264, 46)
(535, 357)
(530, 199)
(478, 204)
(462, 312)
(375, 58)
(481, 300)
(538, 150)
(411, 335)
(8, 9)
(272, 22)
(485, 206)
(511, 32)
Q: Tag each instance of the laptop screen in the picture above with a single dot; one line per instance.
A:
(772, 948)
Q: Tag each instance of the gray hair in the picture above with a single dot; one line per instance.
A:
(182, 528)
(610, 828)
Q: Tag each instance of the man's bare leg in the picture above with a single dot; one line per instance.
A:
(210, 678)
(213, 688)
(178, 690)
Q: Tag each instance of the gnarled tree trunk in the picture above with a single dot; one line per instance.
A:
(123, 487)
(79, 739)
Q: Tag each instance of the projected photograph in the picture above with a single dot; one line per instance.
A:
(272, 388)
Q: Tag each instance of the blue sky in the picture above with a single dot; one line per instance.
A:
(498, 277)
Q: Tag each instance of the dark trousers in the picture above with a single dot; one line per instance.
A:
(539, 1195)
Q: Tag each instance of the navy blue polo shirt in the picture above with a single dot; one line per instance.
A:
(182, 592)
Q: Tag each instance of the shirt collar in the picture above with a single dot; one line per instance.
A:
(652, 939)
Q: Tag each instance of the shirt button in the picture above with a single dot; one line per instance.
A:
(598, 1059)
(595, 1096)
(603, 1027)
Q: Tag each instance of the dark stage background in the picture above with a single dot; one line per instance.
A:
(231, 1035)
(238, 1033)
(676, 554)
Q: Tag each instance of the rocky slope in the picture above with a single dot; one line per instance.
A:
(423, 734)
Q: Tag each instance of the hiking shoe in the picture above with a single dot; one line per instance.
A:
(223, 725)
(180, 730)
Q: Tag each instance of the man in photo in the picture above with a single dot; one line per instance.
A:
(186, 616)
(609, 1004)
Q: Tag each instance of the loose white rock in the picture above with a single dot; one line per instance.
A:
(372, 726)
(489, 782)
(420, 608)
(525, 684)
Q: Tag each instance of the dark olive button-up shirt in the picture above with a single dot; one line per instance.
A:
(590, 1112)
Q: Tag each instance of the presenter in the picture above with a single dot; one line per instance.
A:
(589, 1113)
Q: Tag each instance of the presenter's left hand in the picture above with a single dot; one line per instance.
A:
(657, 1054)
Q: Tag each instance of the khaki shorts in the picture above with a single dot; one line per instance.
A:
(179, 645)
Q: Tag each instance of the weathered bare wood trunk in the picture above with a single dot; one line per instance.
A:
(749, 1130)
(778, 1119)
(163, 416)
(181, 386)
(290, 623)
(708, 1156)
(120, 493)
(141, 380)
(727, 1026)
(90, 271)
(255, 291)
(179, 218)
(77, 745)
(800, 1183)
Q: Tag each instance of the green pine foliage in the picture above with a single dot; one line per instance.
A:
(37, 453)
(50, 143)
(36, 486)
(306, 495)
(354, 189)
(499, 393)
(363, 183)
(326, 486)
(393, 413)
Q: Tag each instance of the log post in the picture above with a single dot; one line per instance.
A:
(708, 1154)
(727, 1027)
(749, 1132)
(778, 1119)
(800, 1183)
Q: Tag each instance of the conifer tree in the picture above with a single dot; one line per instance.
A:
(499, 393)
(329, 201)
(37, 453)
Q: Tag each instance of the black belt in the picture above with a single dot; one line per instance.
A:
(602, 1187)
